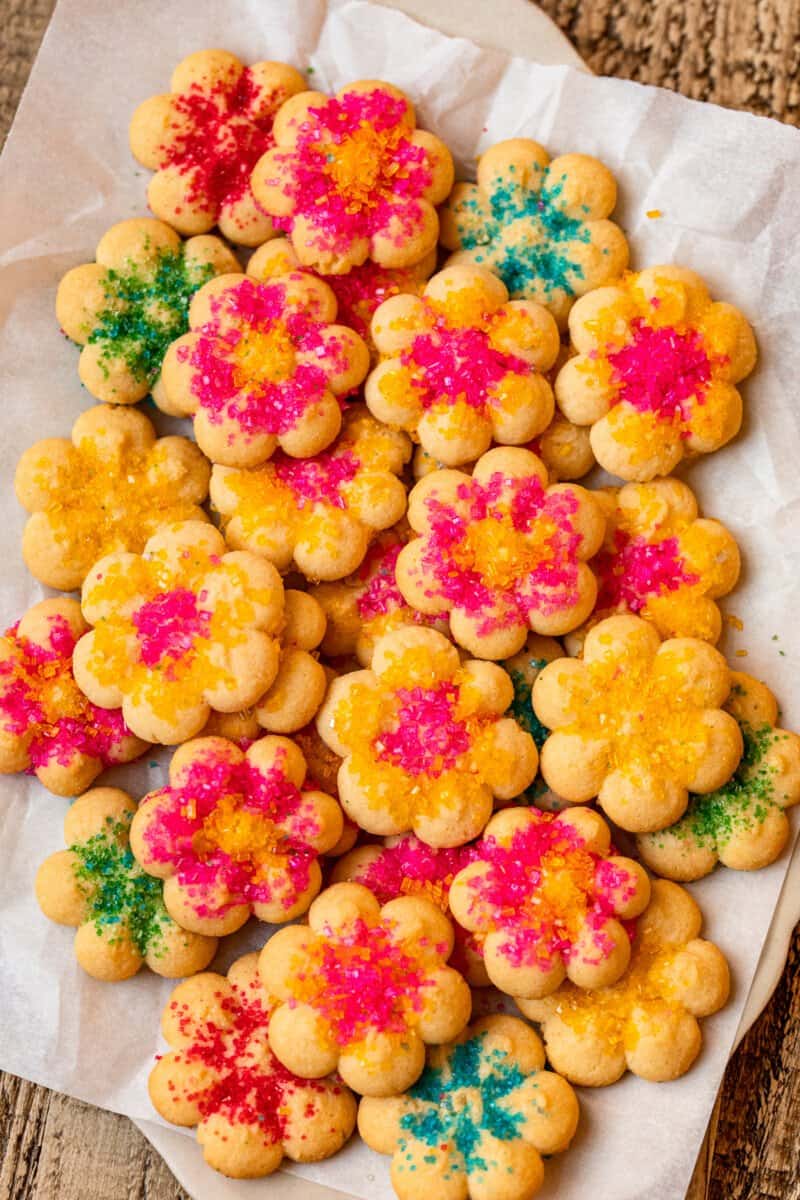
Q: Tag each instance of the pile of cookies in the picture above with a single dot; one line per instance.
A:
(337, 596)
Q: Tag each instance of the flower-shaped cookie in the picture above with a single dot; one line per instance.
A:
(107, 488)
(423, 739)
(180, 630)
(47, 726)
(318, 513)
(262, 367)
(647, 1022)
(221, 1076)
(203, 138)
(478, 1121)
(127, 306)
(364, 988)
(565, 449)
(655, 371)
(358, 293)
(661, 560)
(541, 225)
(461, 365)
(501, 552)
(547, 895)
(743, 824)
(351, 178)
(97, 886)
(405, 866)
(638, 723)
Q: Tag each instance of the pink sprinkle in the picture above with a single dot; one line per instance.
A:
(428, 739)
(381, 595)
(637, 569)
(317, 480)
(169, 625)
(662, 371)
(450, 364)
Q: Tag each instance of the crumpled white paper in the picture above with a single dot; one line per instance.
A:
(727, 185)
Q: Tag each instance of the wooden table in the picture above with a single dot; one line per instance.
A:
(741, 53)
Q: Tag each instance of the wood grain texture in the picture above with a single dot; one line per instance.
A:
(741, 53)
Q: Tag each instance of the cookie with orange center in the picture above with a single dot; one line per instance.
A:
(351, 178)
(424, 742)
(405, 866)
(220, 1075)
(180, 630)
(647, 1023)
(661, 560)
(125, 308)
(547, 896)
(463, 365)
(638, 723)
(478, 1121)
(743, 824)
(262, 367)
(236, 833)
(363, 988)
(108, 487)
(358, 293)
(118, 911)
(318, 514)
(656, 371)
(203, 137)
(540, 224)
(501, 553)
(48, 727)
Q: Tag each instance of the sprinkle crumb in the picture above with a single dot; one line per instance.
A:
(654, 213)
(734, 622)
(741, 654)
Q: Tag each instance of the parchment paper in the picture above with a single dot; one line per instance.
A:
(727, 185)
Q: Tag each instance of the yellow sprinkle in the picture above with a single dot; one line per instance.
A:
(741, 654)
(654, 213)
(733, 621)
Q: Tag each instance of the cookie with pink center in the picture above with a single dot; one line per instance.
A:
(363, 988)
(236, 833)
(318, 514)
(48, 728)
(547, 895)
(462, 365)
(501, 553)
(351, 178)
(358, 293)
(655, 372)
(425, 744)
(183, 629)
(661, 560)
(220, 1075)
(405, 866)
(203, 137)
(263, 366)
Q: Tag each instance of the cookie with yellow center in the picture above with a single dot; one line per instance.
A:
(424, 742)
(220, 1075)
(743, 824)
(655, 372)
(48, 727)
(263, 366)
(462, 365)
(638, 723)
(203, 137)
(125, 308)
(478, 1121)
(647, 1023)
(363, 989)
(318, 514)
(546, 894)
(501, 553)
(108, 487)
(236, 833)
(118, 911)
(353, 179)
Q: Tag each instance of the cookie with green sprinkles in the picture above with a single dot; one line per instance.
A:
(540, 224)
(479, 1119)
(125, 308)
(744, 824)
(524, 669)
(96, 886)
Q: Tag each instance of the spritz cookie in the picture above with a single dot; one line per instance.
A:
(203, 137)
(363, 989)
(126, 307)
(351, 178)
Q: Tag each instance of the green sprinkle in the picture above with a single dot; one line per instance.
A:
(521, 707)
